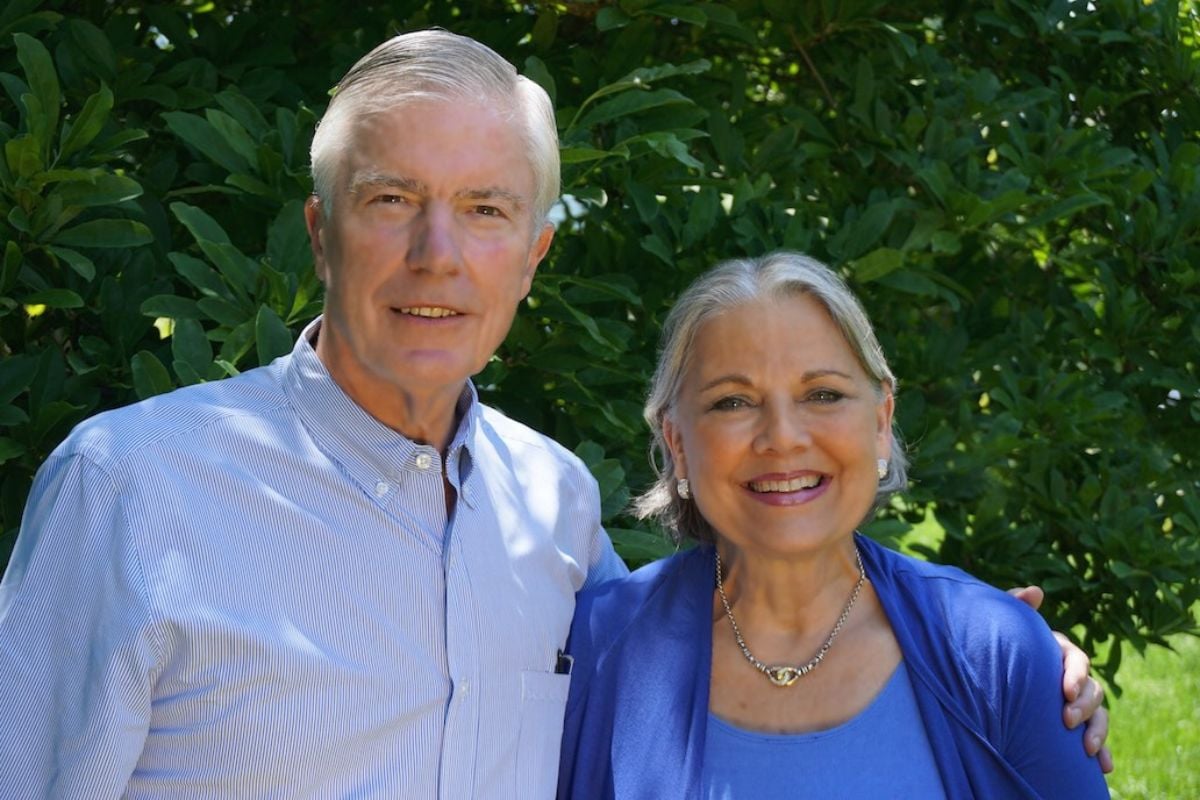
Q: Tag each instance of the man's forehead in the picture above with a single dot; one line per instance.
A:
(402, 145)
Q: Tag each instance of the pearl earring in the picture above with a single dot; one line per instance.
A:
(684, 488)
(881, 468)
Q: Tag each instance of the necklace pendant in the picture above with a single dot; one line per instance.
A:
(783, 676)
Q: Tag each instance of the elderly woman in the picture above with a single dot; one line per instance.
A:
(787, 655)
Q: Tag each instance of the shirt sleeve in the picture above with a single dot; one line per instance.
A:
(77, 648)
(604, 564)
(1048, 755)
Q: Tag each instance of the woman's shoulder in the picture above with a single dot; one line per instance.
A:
(941, 606)
(604, 611)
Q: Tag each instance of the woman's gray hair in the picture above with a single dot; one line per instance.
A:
(726, 286)
(442, 65)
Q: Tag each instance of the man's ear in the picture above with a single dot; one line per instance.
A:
(541, 246)
(314, 218)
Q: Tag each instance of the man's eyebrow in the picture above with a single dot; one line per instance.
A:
(493, 193)
(362, 180)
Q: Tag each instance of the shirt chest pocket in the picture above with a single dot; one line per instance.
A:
(543, 703)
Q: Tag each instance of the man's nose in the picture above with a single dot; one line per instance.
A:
(435, 246)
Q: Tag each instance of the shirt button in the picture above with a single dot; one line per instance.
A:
(464, 688)
(381, 489)
(423, 460)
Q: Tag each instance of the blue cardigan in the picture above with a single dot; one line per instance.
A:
(985, 669)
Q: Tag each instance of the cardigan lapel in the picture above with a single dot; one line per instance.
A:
(659, 731)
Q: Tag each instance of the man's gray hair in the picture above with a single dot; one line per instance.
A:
(437, 64)
(730, 284)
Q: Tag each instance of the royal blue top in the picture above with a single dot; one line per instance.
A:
(986, 673)
(842, 761)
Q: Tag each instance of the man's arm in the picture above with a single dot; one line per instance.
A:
(76, 647)
(1084, 694)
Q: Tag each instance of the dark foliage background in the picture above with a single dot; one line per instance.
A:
(1011, 186)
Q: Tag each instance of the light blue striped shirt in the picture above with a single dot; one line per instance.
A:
(251, 588)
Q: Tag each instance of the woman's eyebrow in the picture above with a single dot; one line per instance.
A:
(742, 380)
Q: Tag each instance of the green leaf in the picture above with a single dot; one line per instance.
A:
(200, 134)
(54, 298)
(578, 155)
(150, 377)
(869, 228)
(234, 135)
(240, 271)
(11, 416)
(105, 233)
(589, 452)
(10, 449)
(43, 82)
(288, 247)
(77, 261)
(639, 547)
(946, 242)
(170, 306)
(24, 156)
(245, 112)
(102, 191)
(203, 227)
(10, 267)
(190, 345)
(653, 244)
(16, 375)
(199, 275)
(119, 140)
(666, 143)
(536, 71)
(681, 12)
(223, 311)
(1068, 207)
(631, 102)
(876, 264)
(93, 45)
(272, 337)
(88, 123)
(610, 18)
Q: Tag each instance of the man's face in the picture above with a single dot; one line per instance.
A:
(430, 247)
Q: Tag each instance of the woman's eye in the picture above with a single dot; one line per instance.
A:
(825, 396)
(390, 199)
(488, 211)
(730, 404)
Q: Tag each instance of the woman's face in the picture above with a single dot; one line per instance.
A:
(777, 427)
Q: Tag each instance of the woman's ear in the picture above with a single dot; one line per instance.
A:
(674, 441)
(883, 423)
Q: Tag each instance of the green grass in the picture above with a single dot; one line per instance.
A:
(1154, 727)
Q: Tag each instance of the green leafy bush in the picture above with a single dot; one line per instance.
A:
(1011, 187)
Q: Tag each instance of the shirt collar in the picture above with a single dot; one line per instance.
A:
(369, 450)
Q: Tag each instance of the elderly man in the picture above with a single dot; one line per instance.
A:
(339, 575)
